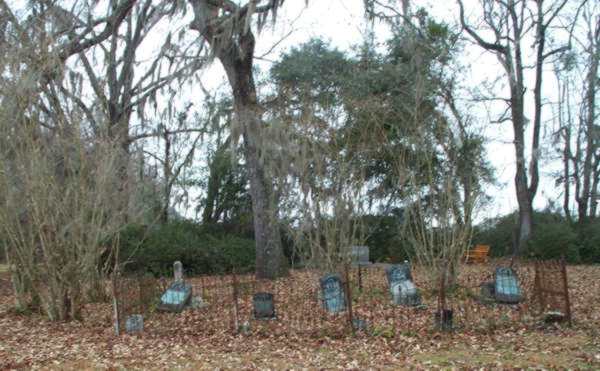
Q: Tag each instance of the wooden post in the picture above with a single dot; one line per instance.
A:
(566, 290)
(116, 309)
(360, 278)
(349, 298)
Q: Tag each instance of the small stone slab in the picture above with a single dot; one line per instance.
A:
(264, 307)
(506, 286)
(176, 297)
(359, 255)
(134, 323)
(333, 293)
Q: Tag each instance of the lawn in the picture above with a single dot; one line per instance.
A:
(492, 336)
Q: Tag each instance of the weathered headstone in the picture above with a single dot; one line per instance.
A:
(398, 272)
(359, 255)
(197, 302)
(334, 298)
(176, 297)
(403, 290)
(264, 308)
(134, 323)
(178, 271)
(506, 286)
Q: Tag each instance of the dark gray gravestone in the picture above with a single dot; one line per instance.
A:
(359, 255)
(332, 290)
(506, 286)
(264, 308)
(134, 323)
(176, 297)
(402, 289)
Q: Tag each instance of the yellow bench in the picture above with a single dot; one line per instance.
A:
(478, 254)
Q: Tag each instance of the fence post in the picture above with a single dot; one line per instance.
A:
(566, 290)
(360, 287)
(116, 309)
(349, 298)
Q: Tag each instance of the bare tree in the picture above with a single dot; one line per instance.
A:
(511, 24)
(577, 116)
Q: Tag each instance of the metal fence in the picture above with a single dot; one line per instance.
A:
(225, 303)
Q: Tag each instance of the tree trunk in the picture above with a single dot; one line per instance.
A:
(236, 54)
(270, 261)
(524, 196)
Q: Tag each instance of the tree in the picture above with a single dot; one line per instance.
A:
(577, 76)
(511, 24)
(227, 28)
(128, 80)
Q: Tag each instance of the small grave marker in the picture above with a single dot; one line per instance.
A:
(359, 255)
(334, 298)
(264, 308)
(134, 323)
(176, 297)
(178, 271)
(506, 286)
(402, 289)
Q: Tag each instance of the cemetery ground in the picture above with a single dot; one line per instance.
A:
(486, 335)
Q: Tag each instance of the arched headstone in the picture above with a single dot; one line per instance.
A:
(264, 307)
(402, 289)
(332, 290)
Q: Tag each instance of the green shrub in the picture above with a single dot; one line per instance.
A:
(553, 236)
(498, 233)
(201, 249)
(384, 238)
(589, 242)
(552, 240)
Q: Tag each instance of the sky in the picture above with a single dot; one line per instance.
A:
(342, 23)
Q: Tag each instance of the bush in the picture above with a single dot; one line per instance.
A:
(589, 243)
(201, 249)
(384, 239)
(553, 236)
(498, 233)
(552, 240)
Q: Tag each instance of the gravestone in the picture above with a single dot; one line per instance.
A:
(178, 271)
(506, 286)
(359, 255)
(134, 323)
(398, 272)
(332, 290)
(402, 289)
(177, 296)
(264, 308)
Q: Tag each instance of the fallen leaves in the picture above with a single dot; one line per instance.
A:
(406, 337)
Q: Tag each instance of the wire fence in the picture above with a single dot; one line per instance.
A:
(299, 303)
